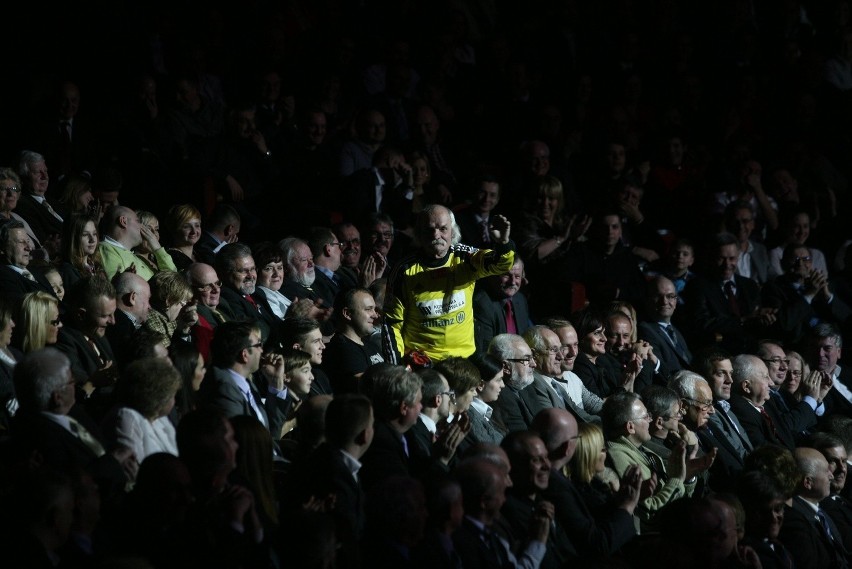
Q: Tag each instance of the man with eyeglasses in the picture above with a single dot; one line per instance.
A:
(777, 363)
(802, 296)
(212, 308)
(627, 427)
(327, 253)
(350, 252)
(517, 402)
(764, 422)
(656, 327)
(16, 280)
(666, 410)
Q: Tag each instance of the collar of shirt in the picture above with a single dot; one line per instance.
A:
(133, 320)
(352, 464)
(61, 420)
(39, 199)
(725, 405)
(430, 424)
(325, 271)
(241, 382)
(19, 270)
(480, 218)
(113, 242)
(482, 407)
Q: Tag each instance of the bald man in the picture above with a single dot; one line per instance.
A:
(123, 231)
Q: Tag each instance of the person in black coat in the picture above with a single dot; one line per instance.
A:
(499, 306)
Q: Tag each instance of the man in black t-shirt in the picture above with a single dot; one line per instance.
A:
(347, 356)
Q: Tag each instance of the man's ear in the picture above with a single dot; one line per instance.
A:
(346, 313)
(746, 386)
(658, 423)
(130, 298)
(481, 387)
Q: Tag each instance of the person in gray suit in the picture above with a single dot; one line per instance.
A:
(517, 402)
(656, 327)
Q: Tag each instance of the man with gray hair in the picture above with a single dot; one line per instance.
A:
(429, 301)
(236, 267)
(763, 421)
(133, 302)
(517, 402)
(49, 422)
(15, 254)
(300, 276)
(122, 232)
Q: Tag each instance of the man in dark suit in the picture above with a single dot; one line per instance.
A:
(517, 402)
(435, 410)
(15, 279)
(474, 220)
(592, 537)
(723, 306)
(231, 384)
(387, 187)
(764, 422)
(329, 471)
(808, 532)
(499, 306)
(823, 349)
(656, 328)
(133, 301)
(220, 228)
(236, 267)
(49, 421)
(836, 504)
(802, 296)
(33, 205)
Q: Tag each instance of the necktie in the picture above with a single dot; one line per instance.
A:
(253, 404)
(249, 298)
(670, 332)
(218, 315)
(511, 327)
(492, 540)
(65, 130)
(770, 425)
(86, 437)
(28, 275)
(732, 298)
(485, 233)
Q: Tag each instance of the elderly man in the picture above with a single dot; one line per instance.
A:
(777, 364)
(64, 436)
(33, 204)
(808, 532)
(592, 534)
(518, 402)
(348, 353)
(836, 504)
(350, 252)
(763, 420)
(626, 424)
(429, 303)
(122, 232)
(299, 277)
(570, 382)
(547, 384)
(212, 308)
(656, 328)
(236, 268)
(499, 306)
(802, 296)
(15, 279)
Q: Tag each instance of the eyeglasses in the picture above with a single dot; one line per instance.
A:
(258, 345)
(386, 235)
(670, 296)
(703, 405)
(209, 286)
(795, 373)
(14, 189)
(776, 361)
(451, 394)
(795, 260)
(57, 322)
(336, 244)
(525, 361)
(351, 242)
(679, 414)
(645, 417)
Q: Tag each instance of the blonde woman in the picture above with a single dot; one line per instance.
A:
(184, 227)
(173, 313)
(38, 321)
(596, 482)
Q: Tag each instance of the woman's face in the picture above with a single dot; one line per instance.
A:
(6, 333)
(173, 310)
(463, 400)
(188, 233)
(271, 275)
(546, 206)
(89, 238)
(84, 200)
(421, 171)
(594, 343)
(600, 463)
(794, 375)
(53, 324)
(154, 225)
(198, 374)
(491, 388)
(9, 194)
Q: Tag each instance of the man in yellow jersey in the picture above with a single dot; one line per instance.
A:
(429, 303)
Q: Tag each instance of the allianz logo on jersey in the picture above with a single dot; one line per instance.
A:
(439, 306)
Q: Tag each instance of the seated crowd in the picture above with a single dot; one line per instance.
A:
(392, 322)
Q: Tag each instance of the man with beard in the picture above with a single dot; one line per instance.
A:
(499, 307)
(236, 267)
(517, 403)
(299, 278)
(429, 302)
